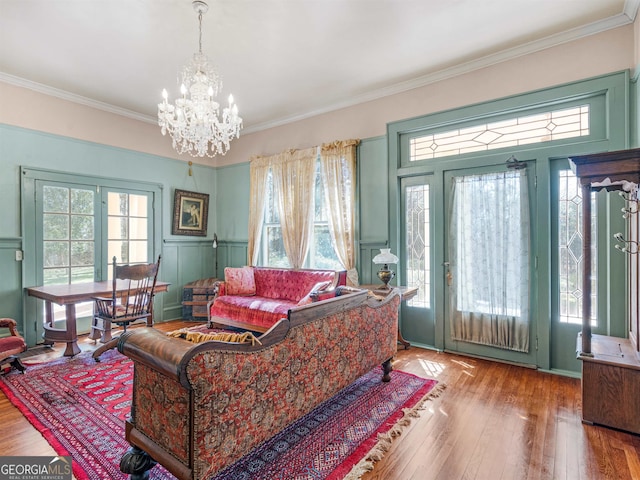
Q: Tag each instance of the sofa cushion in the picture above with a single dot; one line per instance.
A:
(239, 281)
(318, 287)
(287, 284)
(259, 311)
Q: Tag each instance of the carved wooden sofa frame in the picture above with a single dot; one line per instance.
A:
(199, 407)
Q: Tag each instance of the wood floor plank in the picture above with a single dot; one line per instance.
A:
(493, 421)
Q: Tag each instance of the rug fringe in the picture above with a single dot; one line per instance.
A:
(386, 439)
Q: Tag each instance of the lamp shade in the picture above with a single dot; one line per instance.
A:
(385, 257)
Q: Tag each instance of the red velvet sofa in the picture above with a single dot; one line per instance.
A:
(255, 298)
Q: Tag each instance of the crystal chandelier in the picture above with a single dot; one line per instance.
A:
(193, 122)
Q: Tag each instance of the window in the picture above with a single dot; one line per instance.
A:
(68, 242)
(417, 234)
(70, 249)
(570, 249)
(273, 254)
(321, 251)
(127, 232)
(75, 224)
(542, 127)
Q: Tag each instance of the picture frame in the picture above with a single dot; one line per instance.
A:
(190, 213)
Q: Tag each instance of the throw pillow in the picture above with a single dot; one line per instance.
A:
(239, 281)
(318, 287)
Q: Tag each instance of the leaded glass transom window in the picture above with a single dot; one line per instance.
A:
(418, 244)
(542, 127)
(571, 260)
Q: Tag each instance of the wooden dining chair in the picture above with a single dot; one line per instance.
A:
(131, 300)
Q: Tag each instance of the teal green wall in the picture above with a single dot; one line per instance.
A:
(184, 258)
(232, 202)
(232, 209)
(372, 206)
(10, 279)
(189, 258)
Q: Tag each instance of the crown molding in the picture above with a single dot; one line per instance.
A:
(72, 97)
(631, 8)
(627, 17)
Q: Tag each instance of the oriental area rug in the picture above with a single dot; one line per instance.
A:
(80, 406)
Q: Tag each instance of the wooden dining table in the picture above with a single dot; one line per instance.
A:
(69, 296)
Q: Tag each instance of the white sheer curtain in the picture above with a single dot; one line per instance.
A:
(258, 173)
(489, 259)
(293, 176)
(338, 161)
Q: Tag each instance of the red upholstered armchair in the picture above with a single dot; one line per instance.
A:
(12, 345)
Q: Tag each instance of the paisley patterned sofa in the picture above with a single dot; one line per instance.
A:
(199, 407)
(255, 298)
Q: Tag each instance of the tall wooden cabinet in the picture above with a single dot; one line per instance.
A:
(611, 365)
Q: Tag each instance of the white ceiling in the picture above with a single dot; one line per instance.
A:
(282, 59)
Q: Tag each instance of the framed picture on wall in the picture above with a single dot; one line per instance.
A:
(190, 213)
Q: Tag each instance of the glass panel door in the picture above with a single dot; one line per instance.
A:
(127, 227)
(67, 238)
(488, 270)
(417, 314)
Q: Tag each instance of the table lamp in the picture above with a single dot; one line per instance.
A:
(384, 258)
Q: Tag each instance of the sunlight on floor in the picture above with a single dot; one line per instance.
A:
(466, 366)
(432, 369)
(463, 364)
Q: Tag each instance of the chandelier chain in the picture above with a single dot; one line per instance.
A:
(200, 29)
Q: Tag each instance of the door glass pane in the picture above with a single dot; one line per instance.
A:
(138, 206)
(138, 228)
(82, 201)
(82, 227)
(118, 227)
(56, 254)
(56, 276)
(570, 250)
(138, 251)
(68, 240)
(489, 257)
(55, 199)
(118, 249)
(82, 253)
(117, 203)
(127, 226)
(417, 234)
(67, 217)
(55, 226)
(81, 275)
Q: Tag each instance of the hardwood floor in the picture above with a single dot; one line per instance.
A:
(494, 421)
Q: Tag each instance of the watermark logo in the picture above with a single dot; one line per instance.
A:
(36, 468)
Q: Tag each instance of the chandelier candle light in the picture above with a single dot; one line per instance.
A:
(384, 258)
(193, 122)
